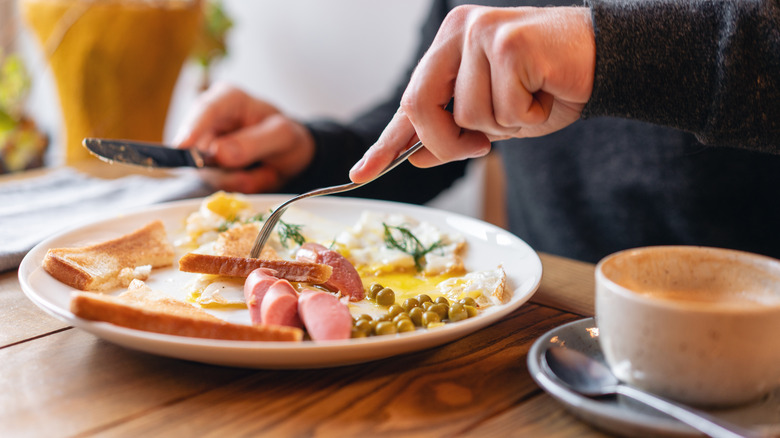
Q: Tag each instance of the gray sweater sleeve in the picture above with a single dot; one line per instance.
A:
(710, 67)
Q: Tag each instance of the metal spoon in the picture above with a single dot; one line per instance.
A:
(270, 223)
(591, 378)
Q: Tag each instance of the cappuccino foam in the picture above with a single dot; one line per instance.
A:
(700, 279)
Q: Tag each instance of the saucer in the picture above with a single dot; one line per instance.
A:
(623, 416)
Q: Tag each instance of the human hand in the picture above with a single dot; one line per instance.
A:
(234, 131)
(511, 72)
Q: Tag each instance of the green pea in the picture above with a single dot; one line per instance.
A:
(471, 310)
(363, 325)
(429, 318)
(385, 328)
(468, 301)
(358, 333)
(424, 298)
(385, 297)
(405, 325)
(394, 310)
(416, 316)
(440, 309)
(410, 303)
(442, 300)
(364, 316)
(427, 305)
(384, 317)
(400, 317)
(457, 312)
(373, 289)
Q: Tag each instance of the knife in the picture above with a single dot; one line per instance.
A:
(142, 153)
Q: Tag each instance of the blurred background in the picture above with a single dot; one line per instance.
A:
(312, 59)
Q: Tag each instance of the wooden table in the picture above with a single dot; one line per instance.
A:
(58, 381)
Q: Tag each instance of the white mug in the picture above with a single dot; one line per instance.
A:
(698, 325)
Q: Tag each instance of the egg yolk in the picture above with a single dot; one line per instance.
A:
(405, 284)
(225, 205)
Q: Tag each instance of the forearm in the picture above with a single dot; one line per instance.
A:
(711, 67)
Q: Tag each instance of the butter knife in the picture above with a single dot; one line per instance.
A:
(142, 153)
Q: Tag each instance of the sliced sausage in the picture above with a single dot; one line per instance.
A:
(280, 305)
(344, 278)
(324, 315)
(255, 287)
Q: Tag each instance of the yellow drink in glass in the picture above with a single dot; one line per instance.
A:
(115, 63)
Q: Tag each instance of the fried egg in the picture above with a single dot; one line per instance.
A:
(366, 245)
(487, 288)
(215, 213)
(226, 224)
(215, 291)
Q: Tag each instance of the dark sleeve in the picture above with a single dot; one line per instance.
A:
(339, 146)
(710, 67)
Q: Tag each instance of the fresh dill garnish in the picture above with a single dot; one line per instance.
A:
(285, 230)
(256, 218)
(408, 243)
(224, 226)
(290, 232)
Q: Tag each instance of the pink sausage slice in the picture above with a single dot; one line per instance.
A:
(325, 317)
(280, 305)
(345, 277)
(255, 288)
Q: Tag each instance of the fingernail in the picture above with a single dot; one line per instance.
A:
(358, 165)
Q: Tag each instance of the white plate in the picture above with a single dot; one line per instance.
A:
(624, 416)
(488, 247)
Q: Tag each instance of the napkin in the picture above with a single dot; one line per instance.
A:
(33, 208)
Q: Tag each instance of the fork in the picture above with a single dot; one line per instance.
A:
(270, 223)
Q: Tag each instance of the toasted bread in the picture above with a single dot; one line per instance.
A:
(141, 308)
(238, 242)
(290, 270)
(113, 263)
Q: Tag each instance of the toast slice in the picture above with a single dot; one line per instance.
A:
(238, 242)
(113, 263)
(141, 308)
(290, 270)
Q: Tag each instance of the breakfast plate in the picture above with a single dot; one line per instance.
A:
(624, 416)
(488, 247)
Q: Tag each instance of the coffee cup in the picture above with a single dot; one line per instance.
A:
(694, 324)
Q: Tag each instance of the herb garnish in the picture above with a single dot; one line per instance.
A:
(224, 226)
(284, 230)
(408, 243)
(290, 232)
